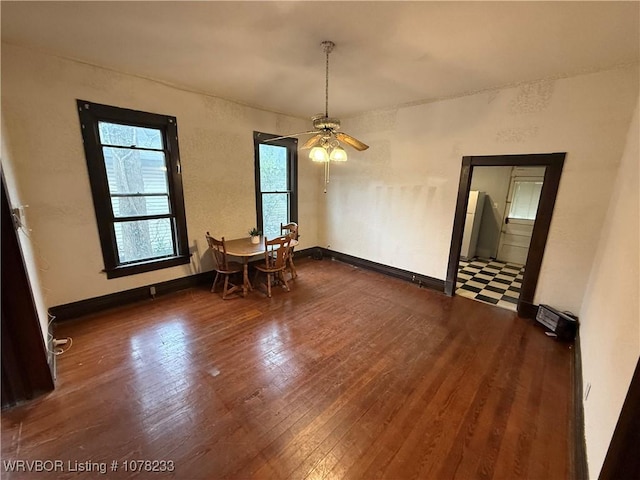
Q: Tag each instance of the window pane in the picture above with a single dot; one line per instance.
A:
(135, 171)
(144, 239)
(139, 206)
(128, 136)
(275, 210)
(273, 168)
(526, 195)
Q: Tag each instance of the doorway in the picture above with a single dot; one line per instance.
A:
(552, 164)
(525, 186)
(501, 212)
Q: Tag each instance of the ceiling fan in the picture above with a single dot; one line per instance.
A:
(325, 143)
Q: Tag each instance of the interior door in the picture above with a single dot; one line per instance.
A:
(520, 215)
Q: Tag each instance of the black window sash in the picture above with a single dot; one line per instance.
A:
(90, 115)
(291, 144)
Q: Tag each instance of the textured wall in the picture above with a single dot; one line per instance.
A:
(30, 251)
(395, 202)
(610, 320)
(49, 168)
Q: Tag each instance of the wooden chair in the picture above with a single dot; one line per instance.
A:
(223, 266)
(291, 230)
(275, 256)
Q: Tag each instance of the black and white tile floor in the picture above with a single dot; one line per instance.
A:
(490, 281)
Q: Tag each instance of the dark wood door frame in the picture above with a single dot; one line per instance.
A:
(622, 460)
(25, 371)
(553, 163)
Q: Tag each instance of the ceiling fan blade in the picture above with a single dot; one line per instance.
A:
(349, 140)
(313, 141)
(290, 136)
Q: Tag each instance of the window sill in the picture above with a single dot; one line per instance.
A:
(141, 267)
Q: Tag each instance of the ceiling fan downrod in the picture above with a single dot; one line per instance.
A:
(328, 47)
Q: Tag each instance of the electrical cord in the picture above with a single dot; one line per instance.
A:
(60, 351)
(51, 339)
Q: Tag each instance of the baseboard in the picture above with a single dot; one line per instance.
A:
(527, 310)
(96, 304)
(580, 467)
(306, 252)
(92, 305)
(578, 446)
(418, 279)
(77, 309)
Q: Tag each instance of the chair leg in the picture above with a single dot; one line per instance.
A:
(269, 284)
(226, 286)
(294, 273)
(213, 287)
(229, 287)
(284, 280)
(257, 285)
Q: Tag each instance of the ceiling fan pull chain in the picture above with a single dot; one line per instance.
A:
(326, 175)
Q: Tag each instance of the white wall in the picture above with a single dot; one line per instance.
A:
(30, 251)
(49, 169)
(610, 314)
(395, 202)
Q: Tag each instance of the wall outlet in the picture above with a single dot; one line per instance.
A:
(587, 389)
(152, 291)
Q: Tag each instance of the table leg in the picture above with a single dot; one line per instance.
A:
(246, 284)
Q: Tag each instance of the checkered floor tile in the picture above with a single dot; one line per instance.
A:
(490, 281)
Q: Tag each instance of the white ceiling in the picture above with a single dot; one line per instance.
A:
(267, 54)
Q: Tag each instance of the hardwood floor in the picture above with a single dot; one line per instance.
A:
(350, 375)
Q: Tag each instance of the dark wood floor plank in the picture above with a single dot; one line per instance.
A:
(343, 389)
(349, 375)
(432, 418)
(409, 422)
(355, 421)
(386, 400)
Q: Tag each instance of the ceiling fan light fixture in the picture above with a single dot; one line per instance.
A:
(319, 154)
(338, 154)
(325, 142)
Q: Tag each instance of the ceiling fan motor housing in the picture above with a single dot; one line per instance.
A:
(325, 135)
(326, 123)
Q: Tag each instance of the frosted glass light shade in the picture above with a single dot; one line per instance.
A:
(319, 154)
(338, 154)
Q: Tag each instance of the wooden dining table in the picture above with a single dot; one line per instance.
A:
(244, 249)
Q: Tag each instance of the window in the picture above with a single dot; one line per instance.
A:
(134, 170)
(276, 182)
(526, 196)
